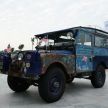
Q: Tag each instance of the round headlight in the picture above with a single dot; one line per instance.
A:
(20, 56)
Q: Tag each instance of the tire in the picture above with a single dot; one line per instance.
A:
(17, 84)
(52, 85)
(98, 77)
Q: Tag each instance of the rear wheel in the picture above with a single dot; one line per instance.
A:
(98, 77)
(52, 85)
(17, 84)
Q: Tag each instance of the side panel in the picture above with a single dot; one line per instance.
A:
(83, 58)
(100, 51)
(66, 59)
(100, 56)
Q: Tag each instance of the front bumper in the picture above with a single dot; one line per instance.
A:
(22, 69)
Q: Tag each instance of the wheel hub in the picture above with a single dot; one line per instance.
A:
(56, 84)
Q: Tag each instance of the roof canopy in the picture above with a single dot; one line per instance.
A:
(56, 34)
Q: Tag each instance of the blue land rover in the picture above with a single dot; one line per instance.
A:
(60, 56)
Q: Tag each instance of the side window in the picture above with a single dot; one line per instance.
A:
(83, 38)
(87, 39)
(101, 42)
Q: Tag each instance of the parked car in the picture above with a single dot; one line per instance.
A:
(60, 56)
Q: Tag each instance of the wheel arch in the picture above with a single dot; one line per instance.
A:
(96, 64)
(103, 64)
(60, 65)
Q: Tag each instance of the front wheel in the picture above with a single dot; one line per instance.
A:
(17, 84)
(52, 85)
(98, 77)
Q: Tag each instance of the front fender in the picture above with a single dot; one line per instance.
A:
(67, 61)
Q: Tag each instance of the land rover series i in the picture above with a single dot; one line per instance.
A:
(60, 56)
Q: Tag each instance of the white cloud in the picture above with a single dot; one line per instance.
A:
(21, 19)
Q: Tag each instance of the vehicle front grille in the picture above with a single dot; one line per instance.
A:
(16, 68)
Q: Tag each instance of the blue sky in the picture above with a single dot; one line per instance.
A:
(21, 19)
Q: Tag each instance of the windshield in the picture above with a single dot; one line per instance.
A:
(58, 41)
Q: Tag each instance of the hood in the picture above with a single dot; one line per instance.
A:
(57, 52)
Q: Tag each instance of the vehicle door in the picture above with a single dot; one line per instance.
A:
(84, 51)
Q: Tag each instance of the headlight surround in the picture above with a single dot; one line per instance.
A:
(27, 65)
(20, 56)
(28, 56)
